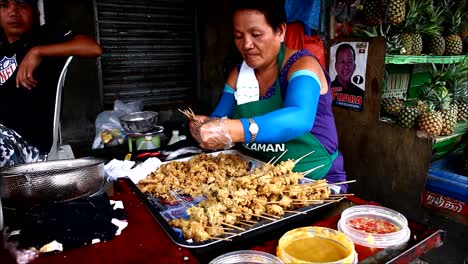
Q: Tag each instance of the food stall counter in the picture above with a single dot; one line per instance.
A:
(145, 241)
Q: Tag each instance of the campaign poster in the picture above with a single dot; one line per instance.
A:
(348, 74)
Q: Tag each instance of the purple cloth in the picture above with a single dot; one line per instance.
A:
(324, 128)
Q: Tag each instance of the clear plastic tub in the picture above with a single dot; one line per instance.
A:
(315, 244)
(374, 226)
(247, 256)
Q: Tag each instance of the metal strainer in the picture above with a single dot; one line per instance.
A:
(51, 181)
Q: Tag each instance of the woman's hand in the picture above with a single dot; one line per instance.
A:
(195, 126)
(26, 69)
(214, 134)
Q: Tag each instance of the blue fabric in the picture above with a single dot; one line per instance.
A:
(306, 11)
(226, 104)
(295, 119)
(306, 73)
(229, 89)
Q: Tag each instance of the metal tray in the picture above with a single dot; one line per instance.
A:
(256, 229)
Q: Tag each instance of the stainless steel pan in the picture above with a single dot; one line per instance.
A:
(51, 181)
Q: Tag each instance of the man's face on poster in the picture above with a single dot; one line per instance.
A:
(345, 65)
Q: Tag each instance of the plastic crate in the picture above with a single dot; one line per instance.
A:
(445, 177)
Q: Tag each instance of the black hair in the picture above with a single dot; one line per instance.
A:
(344, 46)
(273, 10)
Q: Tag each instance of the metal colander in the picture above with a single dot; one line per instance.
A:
(51, 181)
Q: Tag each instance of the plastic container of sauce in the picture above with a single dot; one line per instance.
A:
(316, 245)
(374, 226)
(247, 256)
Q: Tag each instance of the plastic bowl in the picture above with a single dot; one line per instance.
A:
(315, 244)
(387, 219)
(247, 256)
(139, 122)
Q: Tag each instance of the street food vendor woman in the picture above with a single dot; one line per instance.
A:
(277, 101)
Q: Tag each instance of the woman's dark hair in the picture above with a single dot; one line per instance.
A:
(273, 10)
(344, 46)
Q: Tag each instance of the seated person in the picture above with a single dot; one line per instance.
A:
(32, 59)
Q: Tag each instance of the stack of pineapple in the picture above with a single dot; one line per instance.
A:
(441, 26)
(446, 95)
(442, 102)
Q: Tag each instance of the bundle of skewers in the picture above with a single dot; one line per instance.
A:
(234, 204)
(191, 116)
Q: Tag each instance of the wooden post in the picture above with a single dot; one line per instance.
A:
(390, 163)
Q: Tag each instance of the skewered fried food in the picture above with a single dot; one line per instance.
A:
(234, 196)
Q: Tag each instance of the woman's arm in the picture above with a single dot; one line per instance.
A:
(293, 120)
(296, 117)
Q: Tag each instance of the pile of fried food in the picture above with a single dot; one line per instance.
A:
(236, 198)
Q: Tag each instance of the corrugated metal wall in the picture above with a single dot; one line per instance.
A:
(149, 50)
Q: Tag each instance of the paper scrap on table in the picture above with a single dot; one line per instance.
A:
(123, 168)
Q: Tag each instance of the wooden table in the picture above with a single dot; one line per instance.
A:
(144, 241)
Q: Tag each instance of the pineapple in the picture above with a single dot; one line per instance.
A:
(433, 19)
(462, 113)
(373, 12)
(408, 115)
(394, 43)
(459, 88)
(421, 106)
(449, 120)
(453, 42)
(430, 122)
(440, 99)
(416, 44)
(455, 77)
(448, 112)
(436, 45)
(412, 27)
(391, 106)
(396, 10)
(407, 42)
(453, 45)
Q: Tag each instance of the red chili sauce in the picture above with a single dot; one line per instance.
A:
(372, 225)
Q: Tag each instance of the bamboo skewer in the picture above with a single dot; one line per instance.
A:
(218, 227)
(271, 215)
(191, 115)
(294, 212)
(262, 216)
(242, 223)
(306, 203)
(311, 170)
(284, 152)
(299, 159)
(248, 221)
(269, 162)
(231, 234)
(220, 238)
(343, 182)
(320, 201)
(233, 226)
(342, 195)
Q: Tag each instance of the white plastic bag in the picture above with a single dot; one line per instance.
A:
(109, 132)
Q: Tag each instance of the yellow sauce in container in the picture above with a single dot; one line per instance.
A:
(315, 245)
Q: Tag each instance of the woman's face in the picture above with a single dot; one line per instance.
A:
(255, 38)
(345, 65)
